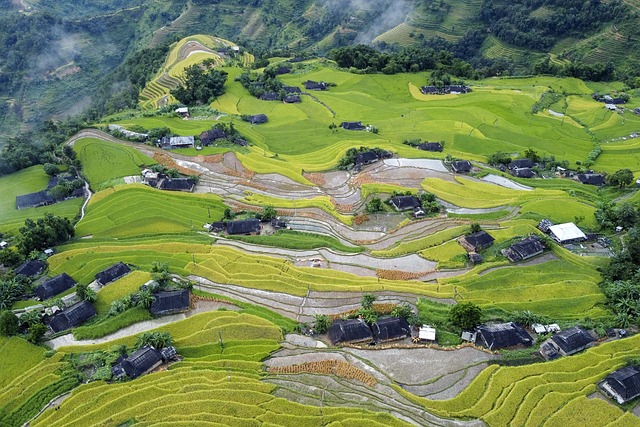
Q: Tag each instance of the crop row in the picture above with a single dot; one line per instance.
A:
(329, 367)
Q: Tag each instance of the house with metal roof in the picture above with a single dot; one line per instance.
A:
(461, 166)
(138, 363)
(72, 316)
(566, 233)
(622, 385)
(34, 200)
(257, 119)
(524, 249)
(430, 146)
(176, 184)
(352, 126)
(112, 273)
(54, 286)
(590, 179)
(244, 226)
(352, 330)
(390, 329)
(503, 335)
(170, 302)
(571, 341)
(169, 143)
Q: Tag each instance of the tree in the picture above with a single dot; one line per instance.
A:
(30, 318)
(145, 298)
(322, 323)
(532, 155)
(157, 340)
(43, 233)
(374, 205)
(85, 293)
(227, 214)
(51, 169)
(499, 158)
(465, 315)
(200, 86)
(36, 332)
(475, 227)
(268, 213)
(367, 301)
(160, 273)
(621, 178)
(9, 323)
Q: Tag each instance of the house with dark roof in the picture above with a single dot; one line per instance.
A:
(139, 362)
(405, 203)
(54, 286)
(366, 158)
(352, 330)
(544, 225)
(430, 146)
(390, 329)
(292, 99)
(503, 335)
(622, 385)
(524, 249)
(170, 302)
(353, 126)
(456, 89)
(590, 179)
(34, 200)
(209, 136)
(72, 316)
(31, 268)
(476, 241)
(112, 273)
(311, 85)
(523, 173)
(269, 96)
(176, 184)
(291, 89)
(244, 226)
(521, 163)
(461, 166)
(571, 341)
(258, 119)
(174, 142)
(475, 258)
(283, 70)
(430, 90)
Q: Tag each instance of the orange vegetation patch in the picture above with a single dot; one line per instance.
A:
(400, 275)
(381, 309)
(166, 160)
(212, 158)
(329, 367)
(360, 219)
(316, 178)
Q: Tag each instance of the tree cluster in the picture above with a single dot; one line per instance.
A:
(202, 86)
(258, 84)
(44, 233)
(610, 215)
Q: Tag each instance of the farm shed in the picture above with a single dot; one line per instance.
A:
(366, 158)
(31, 268)
(54, 286)
(209, 136)
(352, 126)
(292, 99)
(73, 316)
(430, 90)
(34, 200)
(404, 203)
(461, 166)
(623, 385)
(353, 330)
(475, 258)
(311, 85)
(544, 225)
(566, 233)
(391, 329)
(523, 173)
(112, 273)
(291, 89)
(524, 249)
(245, 226)
(456, 89)
(138, 363)
(170, 302)
(571, 341)
(269, 96)
(3, 245)
(477, 241)
(502, 335)
(427, 333)
(430, 146)
(177, 142)
(590, 178)
(176, 184)
(258, 119)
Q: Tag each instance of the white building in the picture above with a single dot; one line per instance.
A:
(566, 233)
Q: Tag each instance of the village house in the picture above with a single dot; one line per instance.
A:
(475, 258)
(430, 146)
(170, 302)
(405, 203)
(622, 385)
(566, 233)
(73, 316)
(311, 85)
(366, 158)
(3, 245)
(523, 173)
(176, 184)
(503, 335)
(208, 137)
(521, 163)
(138, 363)
(30, 268)
(244, 226)
(175, 142)
(353, 126)
(54, 286)
(258, 119)
(390, 329)
(524, 249)
(476, 241)
(34, 200)
(283, 70)
(269, 96)
(349, 331)
(112, 273)
(430, 90)
(182, 112)
(544, 225)
(590, 178)
(461, 166)
(567, 342)
(292, 99)
(292, 90)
